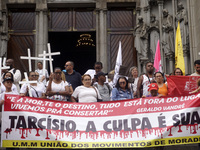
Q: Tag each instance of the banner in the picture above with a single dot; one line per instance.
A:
(181, 85)
(146, 122)
(179, 59)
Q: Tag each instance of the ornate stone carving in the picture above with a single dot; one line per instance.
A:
(154, 35)
(168, 35)
(1, 21)
(141, 37)
(181, 16)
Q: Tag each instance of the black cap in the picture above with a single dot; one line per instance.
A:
(6, 79)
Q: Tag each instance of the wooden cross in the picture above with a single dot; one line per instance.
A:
(49, 54)
(33, 58)
(27, 82)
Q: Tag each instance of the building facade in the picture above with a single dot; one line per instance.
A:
(86, 31)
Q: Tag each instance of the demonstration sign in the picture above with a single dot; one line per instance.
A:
(146, 122)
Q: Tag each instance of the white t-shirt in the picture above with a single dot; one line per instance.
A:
(58, 88)
(40, 72)
(35, 90)
(13, 88)
(86, 95)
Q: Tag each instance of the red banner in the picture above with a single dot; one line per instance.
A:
(181, 85)
(29, 122)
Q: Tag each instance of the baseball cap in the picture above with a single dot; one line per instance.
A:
(6, 79)
(153, 86)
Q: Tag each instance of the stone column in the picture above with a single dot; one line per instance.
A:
(41, 27)
(160, 8)
(171, 58)
(40, 31)
(101, 29)
(186, 60)
(4, 34)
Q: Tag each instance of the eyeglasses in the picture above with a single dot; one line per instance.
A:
(122, 82)
(66, 65)
(97, 68)
(57, 72)
(34, 75)
(87, 79)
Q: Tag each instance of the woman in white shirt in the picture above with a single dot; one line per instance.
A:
(57, 89)
(37, 89)
(13, 88)
(86, 93)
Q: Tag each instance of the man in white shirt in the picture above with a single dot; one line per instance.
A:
(42, 78)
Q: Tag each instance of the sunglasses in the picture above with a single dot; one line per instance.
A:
(122, 82)
(66, 65)
(87, 79)
(34, 75)
(57, 72)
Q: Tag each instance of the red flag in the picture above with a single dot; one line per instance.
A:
(181, 85)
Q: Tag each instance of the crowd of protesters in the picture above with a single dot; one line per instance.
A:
(93, 86)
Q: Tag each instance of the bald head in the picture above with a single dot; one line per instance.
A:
(10, 62)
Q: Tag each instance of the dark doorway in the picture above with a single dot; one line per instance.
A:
(83, 55)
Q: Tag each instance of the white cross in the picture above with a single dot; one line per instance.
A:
(33, 58)
(28, 83)
(49, 54)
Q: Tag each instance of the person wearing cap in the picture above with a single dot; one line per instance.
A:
(3, 88)
(121, 90)
(8, 82)
(103, 88)
(153, 89)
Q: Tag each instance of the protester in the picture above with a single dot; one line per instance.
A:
(197, 68)
(159, 77)
(37, 89)
(153, 90)
(178, 72)
(145, 80)
(57, 89)
(103, 88)
(135, 78)
(111, 77)
(8, 82)
(16, 72)
(86, 93)
(3, 88)
(121, 90)
(98, 66)
(42, 78)
(72, 77)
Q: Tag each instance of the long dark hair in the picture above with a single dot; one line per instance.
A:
(6, 73)
(118, 85)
